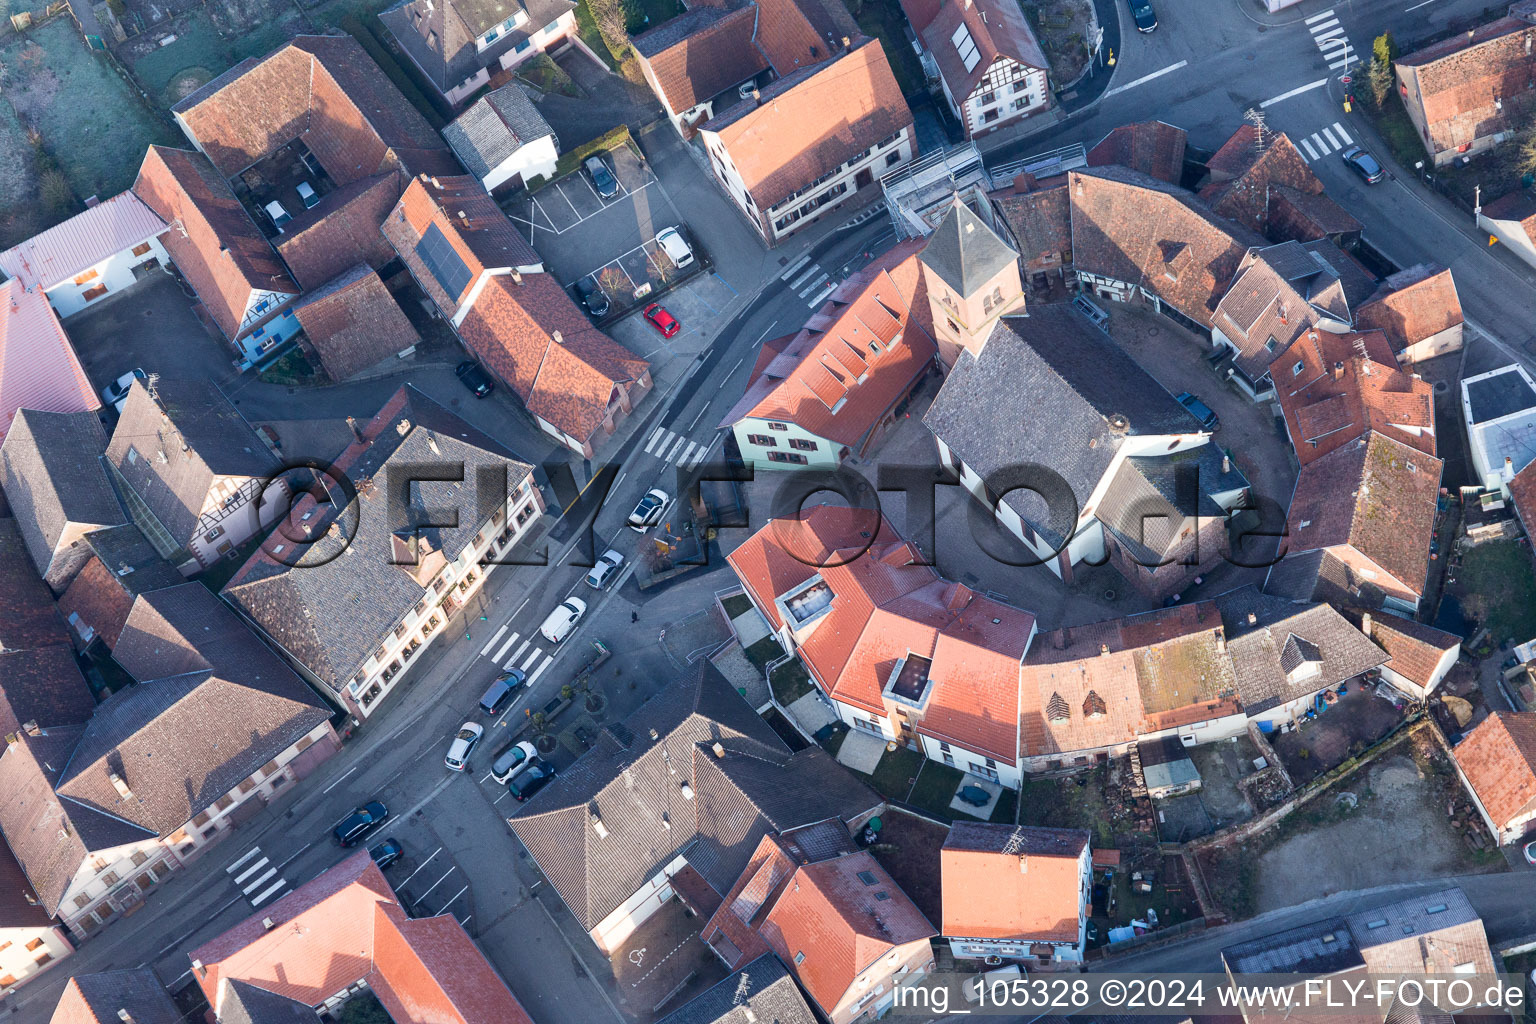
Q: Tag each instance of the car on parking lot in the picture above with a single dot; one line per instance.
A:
(601, 175)
(662, 320)
(1143, 15)
(511, 759)
(477, 380)
(677, 250)
(463, 745)
(501, 690)
(607, 565)
(648, 511)
(530, 780)
(386, 853)
(560, 622)
(593, 296)
(116, 393)
(1363, 164)
(1202, 412)
(360, 823)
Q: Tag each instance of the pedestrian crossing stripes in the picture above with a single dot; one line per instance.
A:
(523, 658)
(676, 449)
(1321, 143)
(1331, 39)
(812, 284)
(257, 878)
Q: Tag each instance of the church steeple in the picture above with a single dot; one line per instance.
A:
(973, 278)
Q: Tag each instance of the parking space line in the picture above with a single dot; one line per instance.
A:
(430, 858)
(417, 901)
(579, 217)
(541, 670)
(455, 896)
(487, 648)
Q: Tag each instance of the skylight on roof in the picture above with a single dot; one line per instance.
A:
(967, 47)
(867, 877)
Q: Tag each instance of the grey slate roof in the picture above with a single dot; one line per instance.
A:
(240, 1002)
(1152, 498)
(1320, 948)
(124, 547)
(983, 837)
(440, 36)
(137, 992)
(1320, 575)
(332, 612)
(51, 471)
(498, 124)
(1043, 391)
(213, 705)
(634, 783)
(762, 992)
(201, 435)
(1282, 633)
(965, 252)
(29, 619)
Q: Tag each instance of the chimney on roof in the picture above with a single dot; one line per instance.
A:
(655, 735)
(598, 826)
(517, 277)
(847, 42)
(357, 431)
(558, 338)
(718, 749)
(1226, 463)
(1338, 370)
(119, 785)
(1103, 648)
(197, 965)
(268, 924)
(31, 728)
(687, 791)
(1023, 864)
(751, 1017)
(1221, 642)
(757, 97)
(1365, 623)
(666, 822)
(1509, 468)
(1253, 619)
(124, 1016)
(436, 184)
(463, 219)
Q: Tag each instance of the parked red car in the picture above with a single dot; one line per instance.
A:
(662, 320)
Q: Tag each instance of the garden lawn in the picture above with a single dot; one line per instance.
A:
(893, 775)
(91, 121)
(736, 604)
(790, 682)
(765, 650)
(1500, 590)
(197, 56)
(644, 15)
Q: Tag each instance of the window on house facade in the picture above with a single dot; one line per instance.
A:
(989, 116)
(81, 902)
(46, 958)
(802, 445)
(762, 440)
(789, 457)
(892, 159)
(778, 426)
(109, 879)
(34, 944)
(89, 275)
(224, 802)
(141, 250)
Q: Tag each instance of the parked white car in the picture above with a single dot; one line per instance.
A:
(463, 745)
(116, 393)
(677, 250)
(604, 571)
(562, 621)
(648, 512)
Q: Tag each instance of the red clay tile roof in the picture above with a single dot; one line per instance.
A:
(43, 686)
(1458, 80)
(1300, 216)
(1130, 227)
(1032, 892)
(568, 382)
(701, 53)
(1040, 223)
(1412, 305)
(1376, 496)
(732, 930)
(886, 607)
(466, 215)
(810, 122)
(1522, 489)
(1161, 669)
(353, 323)
(832, 916)
(218, 248)
(794, 34)
(98, 600)
(431, 970)
(38, 366)
(342, 231)
(1416, 648)
(1151, 147)
(1242, 176)
(328, 92)
(1498, 758)
(1324, 413)
(1519, 206)
(997, 27)
(831, 358)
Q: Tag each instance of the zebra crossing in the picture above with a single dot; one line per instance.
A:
(812, 284)
(676, 449)
(1331, 39)
(256, 877)
(1320, 143)
(524, 657)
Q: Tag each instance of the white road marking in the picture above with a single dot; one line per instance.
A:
(818, 300)
(1307, 150)
(1333, 143)
(1415, 7)
(1294, 92)
(520, 650)
(1336, 32)
(675, 449)
(693, 446)
(339, 781)
(803, 292)
(492, 643)
(654, 438)
(430, 857)
(531, 659)
(1319, 17)
(257, 901)
(535, 677)
(1144, 79)
(502, 653)
(1342, 133)
(794, 267)
(810, 271)
(263, 863)
(253, 851)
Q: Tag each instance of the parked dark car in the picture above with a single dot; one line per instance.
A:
(530, 780)
(1143, 14)
(386, 853)
(1202, 412)
(501, 690)
(601, 174)
(1363, 164)
(593, 296)
(477, 380)
(355, 827)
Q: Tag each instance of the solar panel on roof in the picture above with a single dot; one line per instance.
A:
(443, 261)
